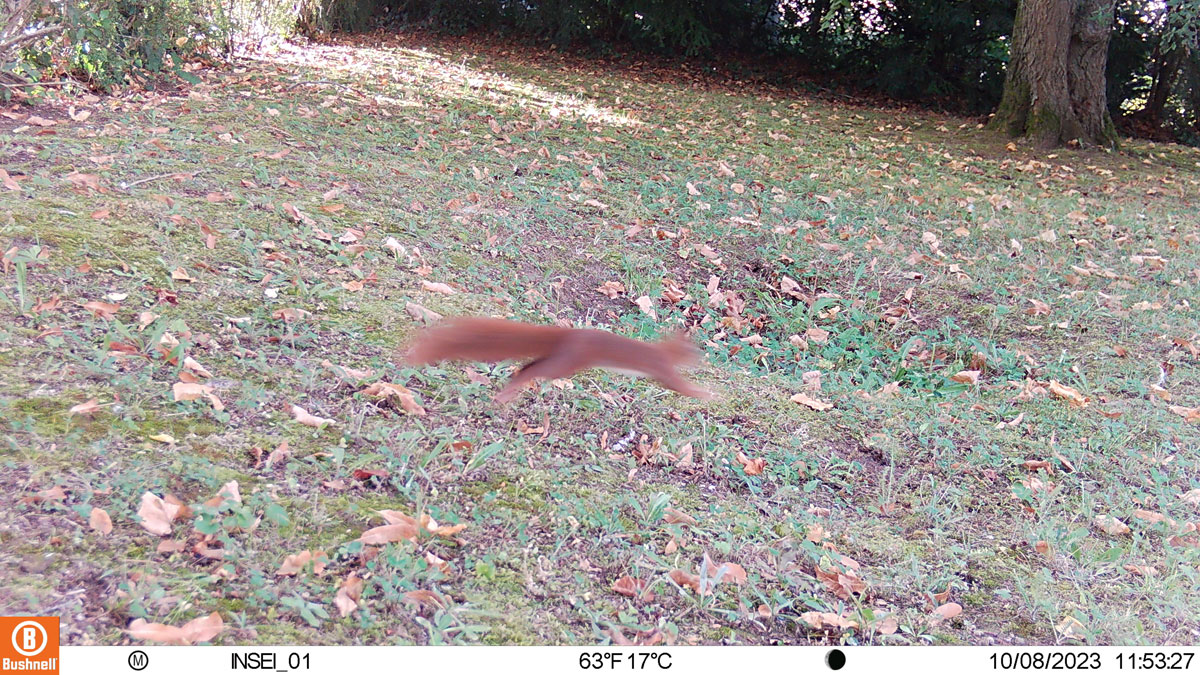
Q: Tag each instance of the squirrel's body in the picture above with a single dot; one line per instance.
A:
(555, 351)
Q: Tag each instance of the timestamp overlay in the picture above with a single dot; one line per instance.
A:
(726, 660)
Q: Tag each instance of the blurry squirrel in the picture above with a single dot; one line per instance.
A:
(555, 352)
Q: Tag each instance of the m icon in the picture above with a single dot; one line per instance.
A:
(138, 660)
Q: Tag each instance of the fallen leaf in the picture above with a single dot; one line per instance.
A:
(101, 310)
(203, 629)
(1110, 524)
(645, 304)
(685, 579)
(386, 534)
(290, 314)
(396, 393)
(294, 564)
(1071, 628)
(815, 404)
(752, 467)
(100, 521)
(633, 588)
(1072, 396)
(304, 417)
(156, 515)
(348, 594)
(966, 376)
(86, 408)
(673, 516)
(421, 313)
(437, 287)
(945, 612)
(611, 288)
(1191, 415)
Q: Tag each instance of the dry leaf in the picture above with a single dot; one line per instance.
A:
(420, 313)
(1110, 524)
(203, 629)
(294, 564)
(100, 521)
(87, 408)
(1072, 396)
(966, 376)
(396, 393)
(304, 417)
(752, 467)
(156, 515)
(633, 588)
(815, 404)
(348, 594)
(1071, 628)
(1191, 415)
(645, 304)
(672, 515)
(945, 612)
(101, 310)
(436, 287)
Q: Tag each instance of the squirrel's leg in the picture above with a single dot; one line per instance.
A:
(546, 368)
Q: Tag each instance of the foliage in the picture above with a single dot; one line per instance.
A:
(112, 42)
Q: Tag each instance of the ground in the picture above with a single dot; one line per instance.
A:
(997, 443)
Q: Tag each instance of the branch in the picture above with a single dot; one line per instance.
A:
(18, 40)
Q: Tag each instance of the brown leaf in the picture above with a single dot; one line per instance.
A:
(294, 564)
(100, 521)
(945, 612)
(101, 310)
(685, 579)
(817, 335)
(386, 534)
(437, 287)
(1110, 524)
(398, 394)
(348, 594)
(170, 546)
(346, 374)
(673, 515)
(421, 313)
(752, 467)
(190, 391)
(86, 408)
(431, 599)
(203, 629)
(815, 404)
(726, 572)
(1191, 415)
(304, 417)
(966, 376)
(1071, 628)
(290, 314)
(180, 274)
(156, 515)
(1072, 396)
(633, 588)
(611, 288)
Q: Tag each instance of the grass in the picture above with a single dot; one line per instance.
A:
(885, 249)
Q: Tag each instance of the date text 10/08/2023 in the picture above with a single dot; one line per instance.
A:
(1085, 660)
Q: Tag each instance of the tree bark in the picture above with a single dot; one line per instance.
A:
(1054, 91)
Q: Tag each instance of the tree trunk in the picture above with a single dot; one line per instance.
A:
(1054, 91)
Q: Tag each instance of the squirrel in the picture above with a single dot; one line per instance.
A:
(555, 352)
